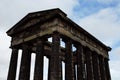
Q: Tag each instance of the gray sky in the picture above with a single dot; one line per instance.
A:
(99, 17)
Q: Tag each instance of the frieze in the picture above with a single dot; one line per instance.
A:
(28, 35)
(67, 30)
(83, 38)
(63, 32)
(34, 30)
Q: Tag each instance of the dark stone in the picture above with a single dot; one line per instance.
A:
(55, 60)
(31, 35)
(96, 69)
(89, 65)
(13, 65)
(80, 62)
(25, 63)
(38, 72)
(69, 65)
(102, 68)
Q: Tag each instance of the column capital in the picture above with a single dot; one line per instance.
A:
(55, 34)
(14, 48)
(66, 39)
(24, 46)
(39, 42)
(106, 59)
(27, 47)
(78, 45)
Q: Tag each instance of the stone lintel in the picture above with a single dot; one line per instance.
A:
(64, 32)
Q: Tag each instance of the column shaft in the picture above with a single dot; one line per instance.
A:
(69, 65)
(107, 69)
(13, 65)
(49, 69)
(25, 64)
(95, 66)
(102, 68)
(80, 62)
(75, 77)
(89, 67)
(38, 72)
(55, 60)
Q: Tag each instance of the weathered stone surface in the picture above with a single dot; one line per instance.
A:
(13, 65)
(25, 63)
(39, 62)
(69, 63)
(89, 64)
(31, 35)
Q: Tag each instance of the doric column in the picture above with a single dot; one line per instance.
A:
(89, 67)
(25, 63)
(75, 77)
(49, 69)
(95, 66)
(102, 68)
(69, 65)
(38, 72)
(55, 60)
(80, 62)
(13, 65)
(107, 69)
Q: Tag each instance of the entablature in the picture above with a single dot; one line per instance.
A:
(37, 26)
(55, 25)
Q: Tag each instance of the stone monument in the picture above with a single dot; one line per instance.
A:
(88, 62)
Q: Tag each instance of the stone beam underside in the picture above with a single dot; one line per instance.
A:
(63, 32)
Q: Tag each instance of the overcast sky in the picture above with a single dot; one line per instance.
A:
(101, 18)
